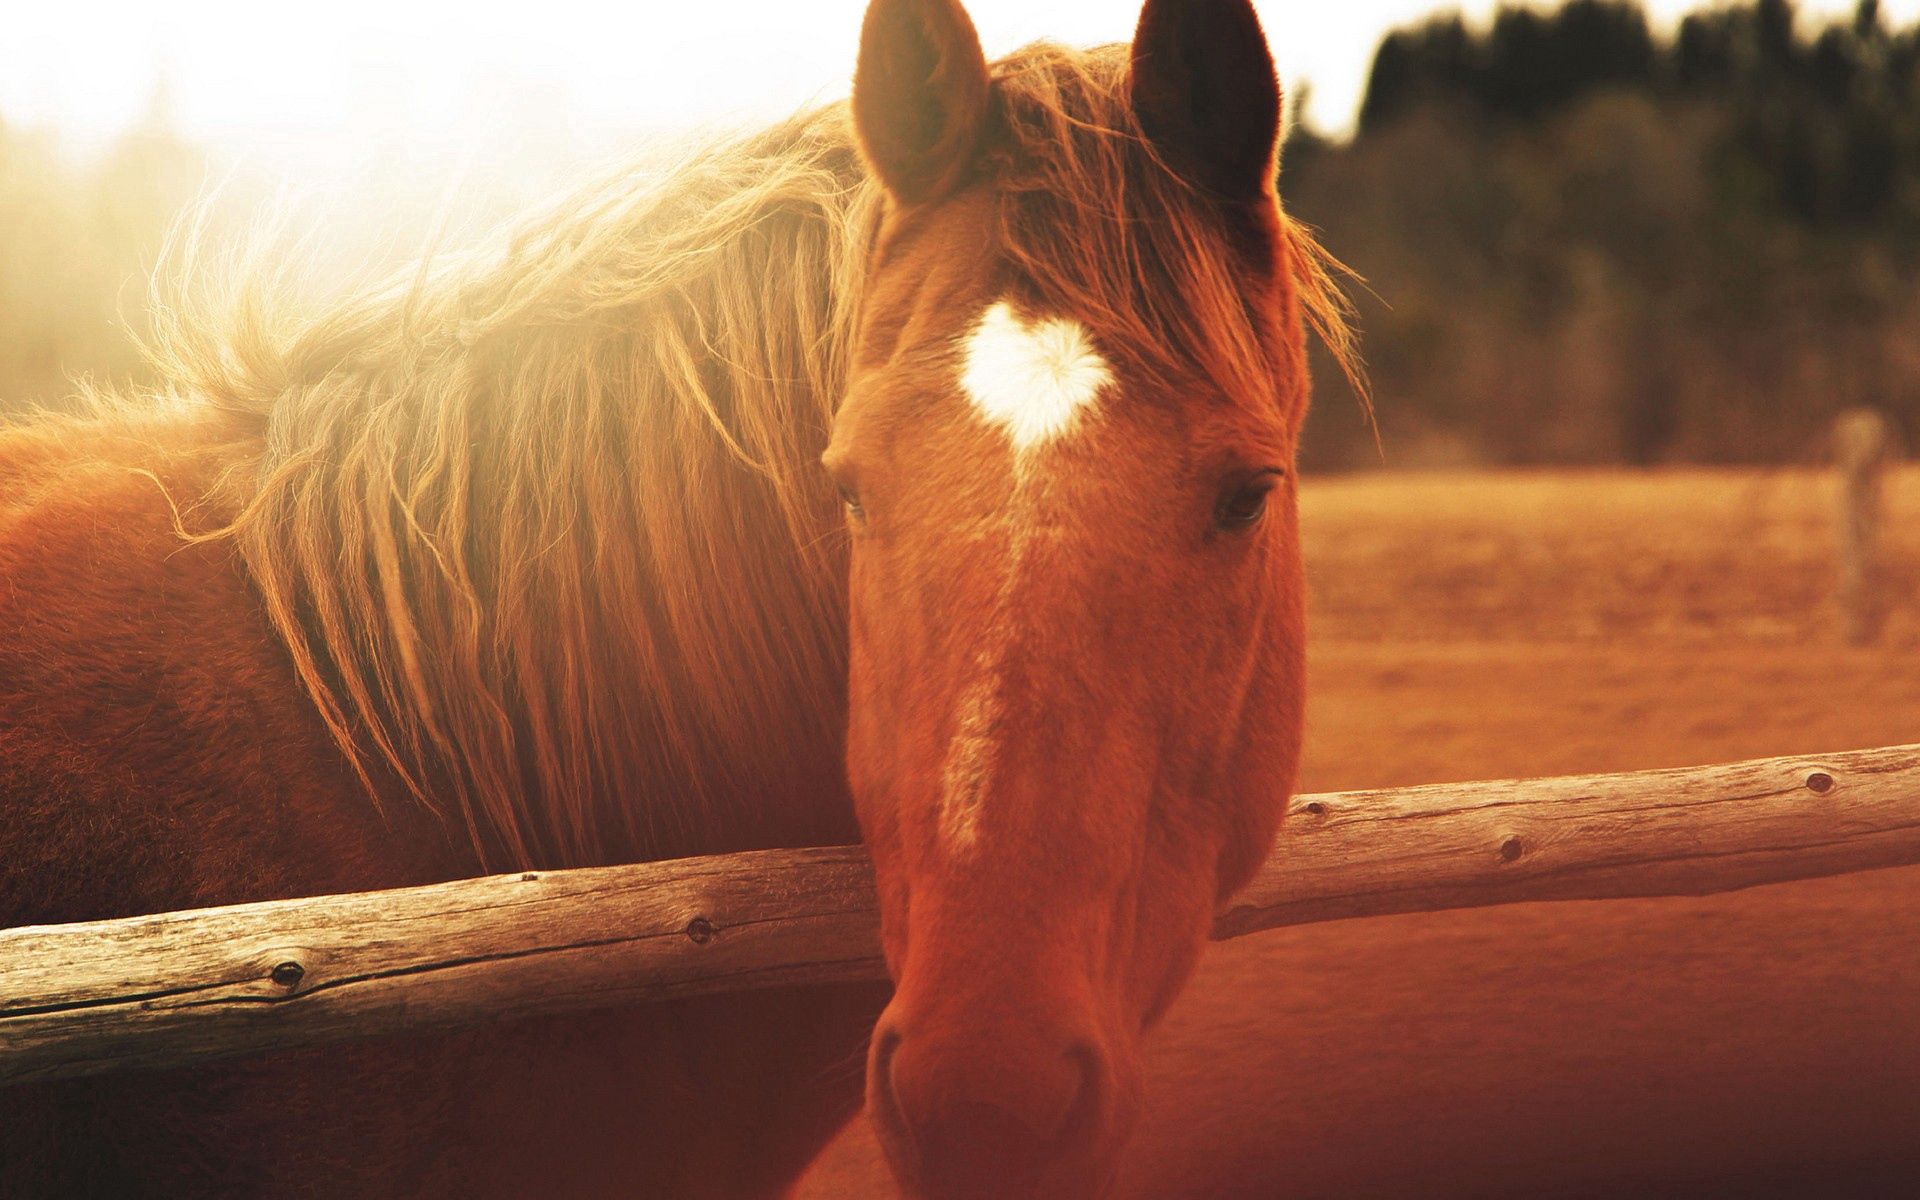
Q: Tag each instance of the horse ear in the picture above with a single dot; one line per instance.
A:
(919, 96)
(1206, 95)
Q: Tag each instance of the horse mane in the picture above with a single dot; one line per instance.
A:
(541, 524)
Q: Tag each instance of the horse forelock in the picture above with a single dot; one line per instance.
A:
(1096, 226)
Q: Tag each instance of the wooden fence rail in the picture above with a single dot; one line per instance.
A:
(179, 988)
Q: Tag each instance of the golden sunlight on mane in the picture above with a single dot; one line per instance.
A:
(542, 525)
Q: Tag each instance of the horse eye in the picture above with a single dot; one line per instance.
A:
(851, 500)
(1245, 501)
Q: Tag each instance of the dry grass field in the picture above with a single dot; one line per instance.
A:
(1466, 626)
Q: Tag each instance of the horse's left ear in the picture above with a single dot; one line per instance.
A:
(919, 96)
(1206, 95)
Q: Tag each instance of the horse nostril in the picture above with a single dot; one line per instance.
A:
(886, 1042)
(1088, 1109)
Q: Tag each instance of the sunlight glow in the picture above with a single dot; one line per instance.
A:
(291, 81)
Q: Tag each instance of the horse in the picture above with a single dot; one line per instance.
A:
(527, 559)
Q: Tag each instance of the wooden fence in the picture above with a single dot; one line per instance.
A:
(179, 988)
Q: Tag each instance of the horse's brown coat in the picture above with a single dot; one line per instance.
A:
(1076, 676)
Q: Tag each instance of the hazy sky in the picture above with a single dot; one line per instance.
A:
(270, 74)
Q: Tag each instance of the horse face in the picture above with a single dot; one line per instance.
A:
(1075, 586)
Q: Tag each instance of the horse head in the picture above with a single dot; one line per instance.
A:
(1066, 455)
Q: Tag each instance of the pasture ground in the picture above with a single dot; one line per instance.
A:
(1764, 1043)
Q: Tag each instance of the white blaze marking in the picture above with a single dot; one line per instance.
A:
(1033, 382)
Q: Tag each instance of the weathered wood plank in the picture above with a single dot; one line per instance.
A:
(178, 988)
(1691, 831)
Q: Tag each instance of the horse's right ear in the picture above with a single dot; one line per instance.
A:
(919, 96)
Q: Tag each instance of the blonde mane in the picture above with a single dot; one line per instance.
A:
(542, 528)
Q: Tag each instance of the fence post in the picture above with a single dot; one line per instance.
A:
(1862, 443)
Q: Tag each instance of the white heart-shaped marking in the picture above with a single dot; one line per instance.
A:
(1033, 381)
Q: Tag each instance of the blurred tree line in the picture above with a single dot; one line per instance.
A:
(75, 242)
(1588, 241)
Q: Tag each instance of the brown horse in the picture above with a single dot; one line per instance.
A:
(528, 561)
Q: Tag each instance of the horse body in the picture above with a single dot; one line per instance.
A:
(529, 562)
